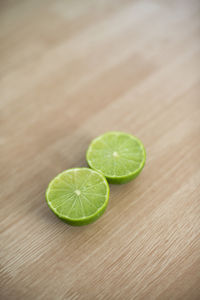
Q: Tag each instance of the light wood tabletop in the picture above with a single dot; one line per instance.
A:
(69, 71)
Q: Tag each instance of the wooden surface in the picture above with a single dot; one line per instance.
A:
(71, 70)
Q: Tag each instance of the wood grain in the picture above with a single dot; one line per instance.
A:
(71, 70)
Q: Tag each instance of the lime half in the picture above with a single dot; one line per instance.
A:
(119, 156)
(78, 196)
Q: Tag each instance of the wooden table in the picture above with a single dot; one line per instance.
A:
(71, 70)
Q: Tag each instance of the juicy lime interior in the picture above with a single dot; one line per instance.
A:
(77, 193)
(116, 154)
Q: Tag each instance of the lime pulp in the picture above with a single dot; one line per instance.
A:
(78, 196)
(119, 156)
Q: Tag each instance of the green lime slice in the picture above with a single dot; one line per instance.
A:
(119, 156)
(78, 196)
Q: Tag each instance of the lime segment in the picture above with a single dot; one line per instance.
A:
(78, 196)
(119, 156)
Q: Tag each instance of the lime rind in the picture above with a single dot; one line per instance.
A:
(69, 205)
(132, 162)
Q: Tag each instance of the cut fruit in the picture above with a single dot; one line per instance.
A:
(78, 196)
(119, 156)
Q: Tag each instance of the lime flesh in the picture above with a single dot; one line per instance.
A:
(78, 196)
(119, 156)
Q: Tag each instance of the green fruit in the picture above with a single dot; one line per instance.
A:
(78, 196)
(119, 156)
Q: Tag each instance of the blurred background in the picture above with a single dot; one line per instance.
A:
(69, 71)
